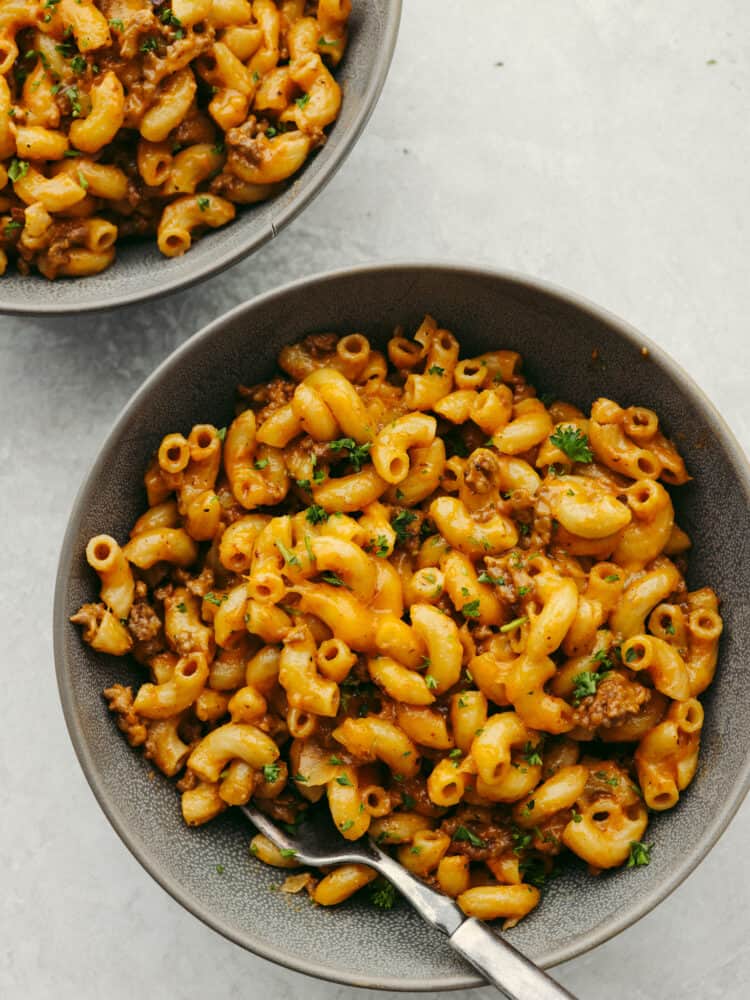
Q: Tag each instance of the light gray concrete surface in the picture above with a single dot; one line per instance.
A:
(609, 153)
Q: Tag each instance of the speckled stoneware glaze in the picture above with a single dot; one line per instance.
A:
(556, 332)
(141, 272)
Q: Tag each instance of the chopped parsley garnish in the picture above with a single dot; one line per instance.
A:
(213, 598)
(602, 657)
(261, 463)
(82, 181)
(456, 755)
(382, 894)
(271, 773)
(18, 169)
(436, 370)
(485, 577)
(345, 780)
(167, 17)
(303, 101)
(287, 852)
(289, 556)
(347, 825)
(631, 654)
(78, 64)
(12, 225)
(150, 45)
(326, 41)
(586, 683)
(522, 840)
(203, 203)
(117, 24)
(381, 546)
(575, 816)
(516, 623)
(333, 579)
(532, 753)
(669, 628)
(611, 578)
(640, 854)
(471, 610)
(523, 591)
(573, 443)
(300, 778)
(401, 522)
(316, 514)
(430, 682)
(529, 808)
(221, 433)
(415, 850)
(356, 453)
(181, 607)
(533, 871)
(408, 801)
(335, 760)
(464, 833)
(220, 869)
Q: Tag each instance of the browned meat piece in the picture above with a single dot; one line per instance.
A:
(481, 471)
(482, 833)
(89, 615)
(616, 697)
(269, 397)
(413, 796)
(120, 702)
(144, 623)
(284, 809)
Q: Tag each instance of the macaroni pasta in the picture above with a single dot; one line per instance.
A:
(131, 118)
(479, 649)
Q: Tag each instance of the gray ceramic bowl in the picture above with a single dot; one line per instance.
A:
(556, 332)
(140, 272)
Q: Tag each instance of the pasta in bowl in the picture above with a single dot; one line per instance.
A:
(400, 582)
(127, 124)
(485, 654)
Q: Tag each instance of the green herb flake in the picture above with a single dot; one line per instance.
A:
(356, 453)
(287, 852)
(516, 623)
(271, 773)
(436, 370)
(640, 854)
(464, 833)
(203, 204)
(345, 780)
(573, 443)
(316, 514)
(303, 101)
(471, 610)
(261, 463)
(18, 169)
(289, 557)
(382, 893)
(485, 577)
(401, 522)
(347, 825)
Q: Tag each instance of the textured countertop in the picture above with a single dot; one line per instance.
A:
(603, 146)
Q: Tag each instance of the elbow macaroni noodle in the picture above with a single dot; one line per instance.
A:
(120, 120)
(484, 672)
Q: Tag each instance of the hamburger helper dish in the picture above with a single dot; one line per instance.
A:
(407, 584)
(123, 118)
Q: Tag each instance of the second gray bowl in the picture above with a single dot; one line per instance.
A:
(140, 271)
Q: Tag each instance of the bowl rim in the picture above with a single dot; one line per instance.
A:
(244, 248)
(630, 913)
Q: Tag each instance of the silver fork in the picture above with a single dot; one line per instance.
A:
(317, 842)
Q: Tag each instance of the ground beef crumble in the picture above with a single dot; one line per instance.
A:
(616, 698)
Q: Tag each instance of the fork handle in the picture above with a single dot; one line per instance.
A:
(501, 964)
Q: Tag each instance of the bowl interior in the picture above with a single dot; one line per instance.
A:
(140, 271)
(557, 335)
